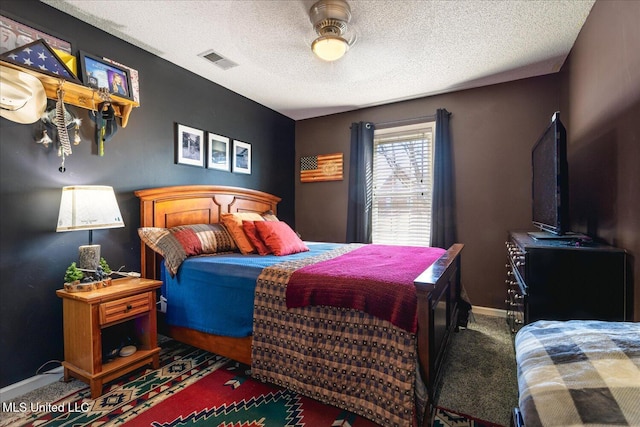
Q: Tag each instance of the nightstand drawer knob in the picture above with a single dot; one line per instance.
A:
(129, 307)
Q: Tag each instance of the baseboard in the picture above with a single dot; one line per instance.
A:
(488, 311)
(25, 386)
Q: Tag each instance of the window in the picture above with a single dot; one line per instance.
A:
(402, 185)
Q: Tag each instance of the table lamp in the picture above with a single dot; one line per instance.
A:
(88, 207)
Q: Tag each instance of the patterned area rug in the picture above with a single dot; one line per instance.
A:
(196, 388)
(446, 418)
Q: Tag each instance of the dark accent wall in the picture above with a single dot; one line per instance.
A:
(492, 128)
(34, 257)
(601, 94)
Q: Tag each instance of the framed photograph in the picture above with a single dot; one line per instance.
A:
(98, 73)
(218, 152)
(133, 76)
(15, 34)
(189, 146)
(241, 157)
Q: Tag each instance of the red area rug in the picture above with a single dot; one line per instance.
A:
(192, 388)
(228, 397)
(196, 388)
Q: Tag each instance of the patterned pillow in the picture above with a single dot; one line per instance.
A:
(280, 238)
(233, 224)
(178, 243)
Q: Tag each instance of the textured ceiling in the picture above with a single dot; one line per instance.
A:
(404, 49)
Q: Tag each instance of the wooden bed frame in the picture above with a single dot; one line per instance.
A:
(438, 287)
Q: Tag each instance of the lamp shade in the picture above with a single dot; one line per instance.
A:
(88, 207)
(329, 48)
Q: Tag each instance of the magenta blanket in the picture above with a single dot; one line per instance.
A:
(376, 279)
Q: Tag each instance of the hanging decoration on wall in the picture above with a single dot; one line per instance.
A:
(106, 125)
(22, 96)
(58, 121)
(63, 135)
(45, 140)
(323, 167)
(105, 119)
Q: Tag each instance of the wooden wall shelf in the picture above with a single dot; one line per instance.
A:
(78, 95)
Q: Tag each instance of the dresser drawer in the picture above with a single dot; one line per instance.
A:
(125, 308)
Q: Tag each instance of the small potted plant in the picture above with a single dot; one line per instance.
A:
(72, 277)
(75, 280)
(103, 273)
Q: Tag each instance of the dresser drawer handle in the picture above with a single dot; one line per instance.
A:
(129, 307)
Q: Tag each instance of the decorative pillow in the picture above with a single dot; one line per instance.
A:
(233, 224)
(177, 243)
(280, 238)
(249, 228)
(269, 216)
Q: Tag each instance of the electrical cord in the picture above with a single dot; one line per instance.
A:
(45, 364)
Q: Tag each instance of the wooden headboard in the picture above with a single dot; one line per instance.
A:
(193, 204)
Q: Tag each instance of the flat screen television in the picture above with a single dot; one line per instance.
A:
(550, 182)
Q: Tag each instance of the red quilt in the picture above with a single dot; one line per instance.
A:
(376, 279)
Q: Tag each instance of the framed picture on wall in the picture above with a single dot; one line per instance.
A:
(241, 157)
(100, 74)
(189, 146)
(16, 34)
(218, 152)
(133, 76)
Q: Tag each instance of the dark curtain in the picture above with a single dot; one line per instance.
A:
(443, 226)
(360, 183)
(443, 216)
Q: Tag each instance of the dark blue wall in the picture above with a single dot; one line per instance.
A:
(34, 257)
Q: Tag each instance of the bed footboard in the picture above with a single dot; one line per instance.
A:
(438, 291)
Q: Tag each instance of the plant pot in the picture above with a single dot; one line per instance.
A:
(77, 286)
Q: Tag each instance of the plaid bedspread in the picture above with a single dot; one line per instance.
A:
(576, 372)
(339, 356)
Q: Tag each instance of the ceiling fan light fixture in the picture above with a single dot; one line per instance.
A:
(329, 48)
(330, 19)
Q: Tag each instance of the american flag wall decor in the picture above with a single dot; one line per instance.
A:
(39, 56)
(323, 167)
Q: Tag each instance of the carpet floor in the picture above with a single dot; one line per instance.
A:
(479, 372)
(194, 387)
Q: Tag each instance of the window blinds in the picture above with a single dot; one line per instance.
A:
(402, 185)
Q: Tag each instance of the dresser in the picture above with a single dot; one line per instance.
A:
(563, 279)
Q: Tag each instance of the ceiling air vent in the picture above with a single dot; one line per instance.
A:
(218, 60)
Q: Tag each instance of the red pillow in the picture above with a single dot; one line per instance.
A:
(249, 228)
(280, 238)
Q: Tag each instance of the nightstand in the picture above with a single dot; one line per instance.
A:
(86, 314)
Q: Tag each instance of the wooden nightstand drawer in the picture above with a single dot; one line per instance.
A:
(124, 308)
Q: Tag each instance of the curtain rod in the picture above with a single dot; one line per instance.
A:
(406, 121)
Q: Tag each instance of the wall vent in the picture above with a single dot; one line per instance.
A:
(218, 60)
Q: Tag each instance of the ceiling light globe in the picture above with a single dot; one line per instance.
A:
(329, 48)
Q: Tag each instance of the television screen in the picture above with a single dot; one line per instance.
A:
(550, 189)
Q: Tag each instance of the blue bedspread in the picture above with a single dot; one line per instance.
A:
(215, 294)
